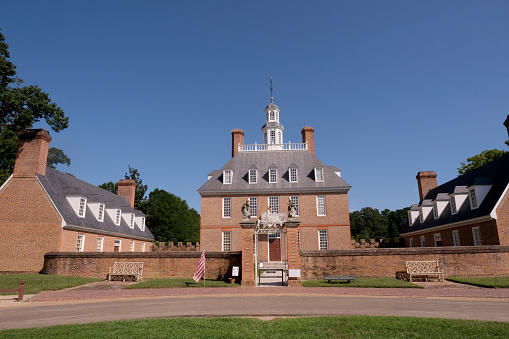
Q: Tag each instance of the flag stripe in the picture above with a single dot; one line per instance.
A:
(200, 269)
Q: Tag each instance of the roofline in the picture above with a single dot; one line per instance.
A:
(502, 196)
(64, 223)
(5, 182)
(284, 190)
(446, 226)
(96, 231)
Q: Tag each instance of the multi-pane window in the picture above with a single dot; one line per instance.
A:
(273, 175)
(279, 137)
(253, 176)
(453, 205)
(272, 116)
(323, 240)
(456, 238)
(295, 201)
(227, 176)
(80, 243)
(272, 137)
(423, 241)
(476, 232)
(411, 242)
(435, 209)
(143, 247)
(131, 223)
(117, 219)
(293, 175)
(253, 202)
(319, 173)
(143, 223)
(274, 204)
(117, 245)
(131, 246)
(227, 241)
(321, 209)
(438, 239)
(100, 243)
(227, 207)
(473, 198)
(101, 212)
(83, 204)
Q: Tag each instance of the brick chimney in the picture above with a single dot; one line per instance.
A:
(237, 139)
(308, 135)
(506, 124)
(427, 180)
(33, 146)
(127, 189)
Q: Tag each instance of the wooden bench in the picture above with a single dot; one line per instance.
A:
(126, 269)
(424, 269)
(329, 278)
(20, 290)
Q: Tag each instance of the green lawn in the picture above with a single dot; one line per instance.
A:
(491, 282)
(35, 283)
(313, 327)
(179, 282)
(362, 282)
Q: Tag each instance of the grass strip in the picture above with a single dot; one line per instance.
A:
(490, 282)
(363, 282)
(179, 282)
(312, 327)
(35, 283)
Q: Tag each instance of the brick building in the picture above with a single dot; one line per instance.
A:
(470, 210)
(43, 210)
(268, 175)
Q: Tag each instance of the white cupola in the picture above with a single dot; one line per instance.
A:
(272, 130)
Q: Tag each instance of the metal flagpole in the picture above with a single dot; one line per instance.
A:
(204, 267)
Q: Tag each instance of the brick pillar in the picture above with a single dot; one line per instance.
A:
(308, 135)
(426, 180)
(237, 139)
(293, 253)
(127, 189)
(247, 253)
(33, 146)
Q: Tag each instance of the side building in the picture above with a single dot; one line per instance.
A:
(269, 175)
(44, 210)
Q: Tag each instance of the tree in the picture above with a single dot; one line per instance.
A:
(20, 108)
(141, 190)
(479, 160)
(57, 156)
(170, 219)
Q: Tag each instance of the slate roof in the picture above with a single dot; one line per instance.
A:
(282, 160)
(58, 185)
(495, 173)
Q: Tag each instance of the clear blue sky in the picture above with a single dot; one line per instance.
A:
(391, 87)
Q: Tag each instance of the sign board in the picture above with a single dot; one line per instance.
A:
(235, 271)
(294, 273)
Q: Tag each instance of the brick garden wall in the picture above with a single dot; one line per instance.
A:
(155, 264)
(385, 262)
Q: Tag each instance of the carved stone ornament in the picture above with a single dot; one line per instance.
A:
(270, 222)
(292, 210)
(246, 210)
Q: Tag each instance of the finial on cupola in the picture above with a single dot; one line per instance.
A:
(271, 89)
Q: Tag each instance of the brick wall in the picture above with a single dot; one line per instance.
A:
(70, 238)
(503, 221)
(363, 263)
(155, 264)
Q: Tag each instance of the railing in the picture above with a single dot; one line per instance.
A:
(273, 147)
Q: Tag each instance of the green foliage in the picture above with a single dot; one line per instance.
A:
(370, 223)
(57, 156)
(110, 187)
(179, 282)
(481, 159)
(490, 282)
(20, 108)
(170, 219)
(363, 282)
(140, 199)
(34, 283)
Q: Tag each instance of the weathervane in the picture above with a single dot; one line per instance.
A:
(271, 89)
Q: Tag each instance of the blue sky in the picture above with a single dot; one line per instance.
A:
(391, 87)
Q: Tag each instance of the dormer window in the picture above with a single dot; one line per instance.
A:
(473, 199)
(454, 210)
(293, 174)
(83, 206)
(131, 223)
(253, 176)
(117, 218)
(435, 210)
(227, 176)
(100, 215)
(142, 224)
(273, 175)
(319, 174)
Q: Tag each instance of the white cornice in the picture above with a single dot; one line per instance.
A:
(446, 226)
(275, 191)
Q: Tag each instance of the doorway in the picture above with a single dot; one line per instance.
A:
(275, 246)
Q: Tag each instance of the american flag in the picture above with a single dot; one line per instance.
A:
(200, 269)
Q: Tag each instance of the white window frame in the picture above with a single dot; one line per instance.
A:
(118, 217)
(298, 238)
(323, 240)
(227, 207)
(143, 247)
(272, 116)
(100, 215)
(131, 246)
(273, 175)
(80, 242)
(411, 241)
(454, 208)
(253, 176)
(423, 241)
(435, 210)
(272, 137)
(319, 174)
(476, 234)
(292, 177)
(82, 207)
(227, 177)
(143, 223)
(226, 245)
(436, 238)
(321, 205)
(100, 243)
(253, 202)
(131, 223)
(274, 205)
(473, 199)
(295, 201)
(456, 238)
(119, 241)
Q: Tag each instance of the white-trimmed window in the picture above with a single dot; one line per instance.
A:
(423, 241)
(272, 116)
(454, 210)
(435, 210)
(253, 176)
(131, 246)
(323, 240)
(438, 239)
(117, 246)
(456, 238)
(272, 137)
(117, 218)
(143, 247)
(295, 201)
(100, 244)
(293, 174)
(318, 174)
(476, 233)
(131, 222)
(274, 204)
(253, 209)
(473, 199)
(321, 209)
(279, 137)
(80, 243)
(100, 215)
(411, 242)
(227, 207)
(227, 241)
(143, 224)
(227, 176)
(298, 238)
(83, 206)
(273, 175)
